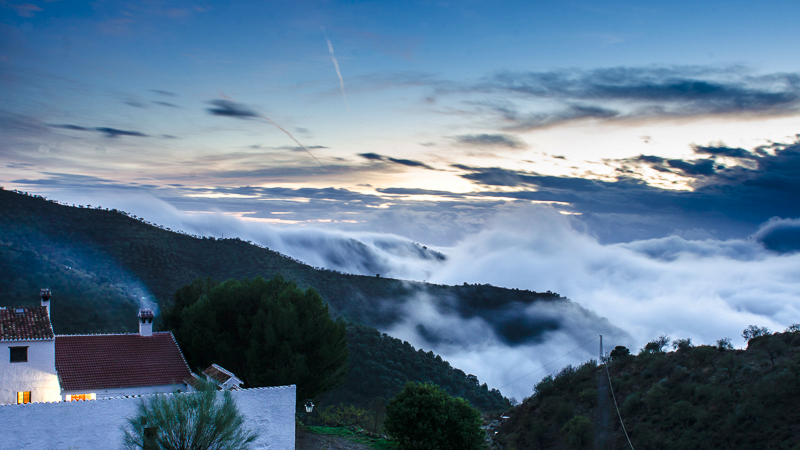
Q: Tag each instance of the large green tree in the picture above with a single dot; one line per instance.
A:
(423, 416)
(266, 332)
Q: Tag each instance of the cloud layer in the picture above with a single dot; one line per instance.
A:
(702, 288)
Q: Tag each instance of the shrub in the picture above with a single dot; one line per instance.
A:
(657, 345)
(753, 331)
(724, 344)
(423, 416)
(682, 344)
(188, 421)
(578, 432)
(619, 353)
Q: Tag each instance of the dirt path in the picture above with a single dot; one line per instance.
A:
(603, 411)
(308, 441)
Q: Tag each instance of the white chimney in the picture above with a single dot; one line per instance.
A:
(146, 321)
(46, 300)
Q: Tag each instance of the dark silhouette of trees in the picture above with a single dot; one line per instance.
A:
(266, 332)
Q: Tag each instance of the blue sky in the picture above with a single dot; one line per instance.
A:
(446, 113)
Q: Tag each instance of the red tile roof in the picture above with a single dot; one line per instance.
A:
(217, 373)
(25, 323)
(104, 361)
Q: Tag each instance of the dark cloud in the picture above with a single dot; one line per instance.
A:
(229, 108)
(495, 176)
(371, 156)
(650, 159)
(515, 119)
(780, 235)
(113, 132)
(730, 201)
(529, 100)
(167, 104)
(71, 127)
(409, 162)
(695, 89)
(107, 131)
(490, 140)
(404, 162)
(697, 167)
(164, 93)
(724, 151)
(135, 104)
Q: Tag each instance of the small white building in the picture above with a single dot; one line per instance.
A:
(27, 354)
(225, 379)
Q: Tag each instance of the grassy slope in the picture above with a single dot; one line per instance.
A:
(700, 397)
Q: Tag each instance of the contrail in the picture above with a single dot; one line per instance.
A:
(339, 73)
(230, 108)
(292, 137)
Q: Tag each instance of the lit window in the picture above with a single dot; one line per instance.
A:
(81, 397)
(19, 354)
(23, 397)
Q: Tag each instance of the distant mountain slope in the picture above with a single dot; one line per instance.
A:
(703, 397)
(381, 365)
(135, 259)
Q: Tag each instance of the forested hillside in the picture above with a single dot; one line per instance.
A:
(111, 250)
(703, 397)
(380, 366)
(100, 264)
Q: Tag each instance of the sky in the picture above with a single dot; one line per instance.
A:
(654, 145)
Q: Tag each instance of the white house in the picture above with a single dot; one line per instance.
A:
(39, 366)
(115, 369)
(27, 354)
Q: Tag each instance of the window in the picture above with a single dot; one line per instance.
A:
(23, 397)
(81, 397)
(19, 354)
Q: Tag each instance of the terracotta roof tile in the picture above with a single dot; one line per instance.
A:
(106, 361)
(217, 373)
(25, 323)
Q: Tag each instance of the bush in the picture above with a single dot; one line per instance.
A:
(657, 345)
(578, 432)
(423, 416)
(724, 344)
(620, 352)
(188, 421)
(682, 344)
(753, 331)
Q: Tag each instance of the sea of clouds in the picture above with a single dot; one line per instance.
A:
(703, 289)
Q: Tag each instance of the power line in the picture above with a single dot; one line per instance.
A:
(615, 406)
(551, 362)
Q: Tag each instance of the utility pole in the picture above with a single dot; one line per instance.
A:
(601, 349)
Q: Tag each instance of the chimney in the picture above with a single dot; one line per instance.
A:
(146, 322)
(46, 300)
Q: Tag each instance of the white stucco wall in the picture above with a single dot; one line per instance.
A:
(98, 424)
(38, 375)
